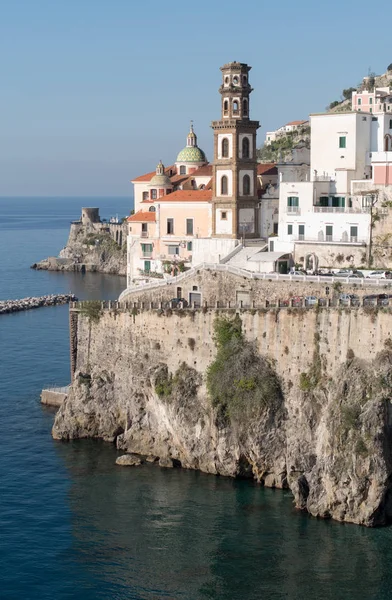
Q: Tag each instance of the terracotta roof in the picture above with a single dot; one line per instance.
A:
(187, 196)
(204, 171)
(267, 169)
(179, 178)
(295, 123)
(142, 217)
(148, 176)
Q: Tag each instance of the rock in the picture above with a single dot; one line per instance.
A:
(152, 459)
(129, 460)
(166, 462)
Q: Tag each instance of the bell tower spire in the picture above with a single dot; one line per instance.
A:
(191, 140)
(234, 169)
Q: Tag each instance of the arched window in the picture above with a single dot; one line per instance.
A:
(245, 147)
(225, 107)
(152, 209)
(245, 107)
(224, 186)
(225, 148)
(235, 107)
(244, 79)
(246, 185)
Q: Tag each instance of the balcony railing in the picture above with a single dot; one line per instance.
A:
(340, 209)
(144, 234)
(147, 254)
(293, 210)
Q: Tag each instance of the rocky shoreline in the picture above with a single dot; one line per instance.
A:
(10, 306)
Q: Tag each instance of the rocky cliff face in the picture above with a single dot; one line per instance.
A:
(321, 425)
(89, 248)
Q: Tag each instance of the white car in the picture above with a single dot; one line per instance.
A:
(380, 275)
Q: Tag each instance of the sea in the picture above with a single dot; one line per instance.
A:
(75, 526)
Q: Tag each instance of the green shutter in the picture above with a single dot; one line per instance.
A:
(342, 141)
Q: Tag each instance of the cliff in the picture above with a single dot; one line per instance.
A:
(293, 398)
(97, 247)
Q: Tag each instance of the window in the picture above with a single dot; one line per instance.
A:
(144, 227)
(289, 230)
(174, 250)
(170, 226)
(353, 233)
(224, 186)
(370, 110)
(226, 80)
(359, 101)
(370, 100)
(245, 147)
(189, 246)
(342, 141)
(152, 209)
(153, 194)
(245, 107)
(235, 107)
(145, 195)
(328, 233)
(147, 249)
(271, 246)
(323, 201)
(225, 106)
(147, 266)
(374, 119)
(275, 227)
(225, 148)
(390, 123)
(224, 215)
(189, 226)
(292, 201)
(235, 80)
(244, 79)
(246, 185)
(301, 232)
(183, 170)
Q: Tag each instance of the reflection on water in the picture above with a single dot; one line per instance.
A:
(158, 533)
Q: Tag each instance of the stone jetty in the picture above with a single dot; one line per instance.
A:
(9, 306)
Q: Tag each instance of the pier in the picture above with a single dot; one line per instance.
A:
(10, 306)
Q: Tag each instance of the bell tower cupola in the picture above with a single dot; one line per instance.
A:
(235, 91)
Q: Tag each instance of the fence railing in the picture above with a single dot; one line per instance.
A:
(294, 302)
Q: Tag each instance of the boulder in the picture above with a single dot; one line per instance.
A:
(129, 460)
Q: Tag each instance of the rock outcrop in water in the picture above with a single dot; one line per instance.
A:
(9, 306)
(92, 246)
(311, 412)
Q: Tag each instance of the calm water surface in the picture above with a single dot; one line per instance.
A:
(72, 525)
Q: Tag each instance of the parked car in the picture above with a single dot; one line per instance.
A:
(296, 273)
(379, 275)
(176, 303)
(350, 274)
(310, 300)
(347, 298)
(377, 299)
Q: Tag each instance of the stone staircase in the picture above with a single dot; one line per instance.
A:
(241, 259)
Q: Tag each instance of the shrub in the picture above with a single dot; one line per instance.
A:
(92, 309)
(191, 343)
(350, 354)
(240, 382)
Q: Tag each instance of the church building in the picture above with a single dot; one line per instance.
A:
(195, 211)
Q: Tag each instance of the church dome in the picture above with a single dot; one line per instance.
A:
(191, 154)
(160, 178)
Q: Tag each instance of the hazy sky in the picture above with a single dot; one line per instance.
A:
(95, 92)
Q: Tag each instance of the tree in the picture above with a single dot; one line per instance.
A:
(347, 93)
(389, 68)
(333, 104)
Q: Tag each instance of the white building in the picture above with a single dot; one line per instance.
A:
(271, 136)
(329, 215)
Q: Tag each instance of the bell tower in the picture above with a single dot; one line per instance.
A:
(234, 169)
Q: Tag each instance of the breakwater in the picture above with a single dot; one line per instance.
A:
(9, 306)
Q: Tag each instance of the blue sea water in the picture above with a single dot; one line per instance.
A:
(73, 526)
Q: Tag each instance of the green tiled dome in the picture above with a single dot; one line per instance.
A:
(191, 154)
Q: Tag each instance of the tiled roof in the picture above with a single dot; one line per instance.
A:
(295, 123)
(267, 169)
(204, 171)
(148, 176)
(142, 217)
(187, 196)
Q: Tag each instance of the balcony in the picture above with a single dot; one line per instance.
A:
(147, 254)
(144, 234)
(340, 209)
(293, 210)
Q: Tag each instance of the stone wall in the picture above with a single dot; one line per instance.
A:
(224, 287)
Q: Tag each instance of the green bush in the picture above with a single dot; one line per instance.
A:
(92, 309)
(240, 382)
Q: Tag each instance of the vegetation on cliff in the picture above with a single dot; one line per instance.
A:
(240, 382)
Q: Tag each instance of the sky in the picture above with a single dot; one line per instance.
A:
(94, 93)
